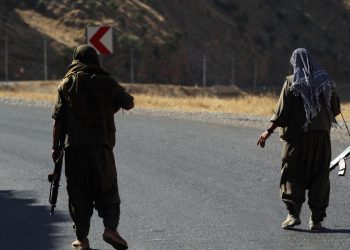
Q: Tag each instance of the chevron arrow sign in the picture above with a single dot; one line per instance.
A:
(101, 39)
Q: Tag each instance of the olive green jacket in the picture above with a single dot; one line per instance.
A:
(290, 113)
(86, 104)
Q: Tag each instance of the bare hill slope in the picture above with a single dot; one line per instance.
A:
(170, 37)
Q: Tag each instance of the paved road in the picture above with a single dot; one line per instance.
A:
(184, 185)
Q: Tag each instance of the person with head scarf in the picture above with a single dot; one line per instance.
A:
(88, 98)
(306, 111)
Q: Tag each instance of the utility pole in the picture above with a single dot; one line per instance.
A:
(255, 74)
(6, 58)
(45, 60)
(204, 71)
(4, 31)
(233, 73)
(132, 66)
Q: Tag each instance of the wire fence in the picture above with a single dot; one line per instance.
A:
(44, 60)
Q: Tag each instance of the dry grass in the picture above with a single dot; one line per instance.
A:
(245, 104)
(52, 28)
(345, 108)
(241, 104)
(29, 96)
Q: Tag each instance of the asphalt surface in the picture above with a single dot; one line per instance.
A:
(184, 185)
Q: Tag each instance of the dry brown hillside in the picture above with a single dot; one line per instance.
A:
(170, 37)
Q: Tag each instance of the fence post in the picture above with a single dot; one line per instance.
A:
(45, 60)
(6, 58)
(255, 74)
(132, 76)
(204, 71)
(233, 73)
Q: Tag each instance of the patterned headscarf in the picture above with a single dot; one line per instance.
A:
(309, 82)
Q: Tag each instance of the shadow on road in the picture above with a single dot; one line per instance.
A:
(25, 225)
(324, 231)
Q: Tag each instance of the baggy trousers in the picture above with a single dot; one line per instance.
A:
(91, 182)
(305, 166)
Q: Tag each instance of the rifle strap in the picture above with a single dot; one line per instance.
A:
(347, 128)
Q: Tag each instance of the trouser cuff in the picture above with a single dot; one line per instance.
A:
(318, 216)
(293, 208)
(81, 231)
(110, 223)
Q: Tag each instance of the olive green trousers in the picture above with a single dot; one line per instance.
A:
(91, 183)
(305, 166)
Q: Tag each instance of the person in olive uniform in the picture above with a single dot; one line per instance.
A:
(306, 111)
(88, 98)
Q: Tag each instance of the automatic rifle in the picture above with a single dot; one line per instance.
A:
(54, 179)
(340, 160)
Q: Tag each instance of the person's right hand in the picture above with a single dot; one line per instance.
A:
(55, 154)
(262, 139)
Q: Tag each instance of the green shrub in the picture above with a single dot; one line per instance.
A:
(130, 41)
(121, 21)
(112, 5)
(177, 34)
(138, 15)
(156, 52)
(173, 40)
(91, 4)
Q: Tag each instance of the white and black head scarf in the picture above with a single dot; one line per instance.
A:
(309, 82)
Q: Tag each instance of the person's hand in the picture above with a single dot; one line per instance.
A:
(55, 154)
(263, 138)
